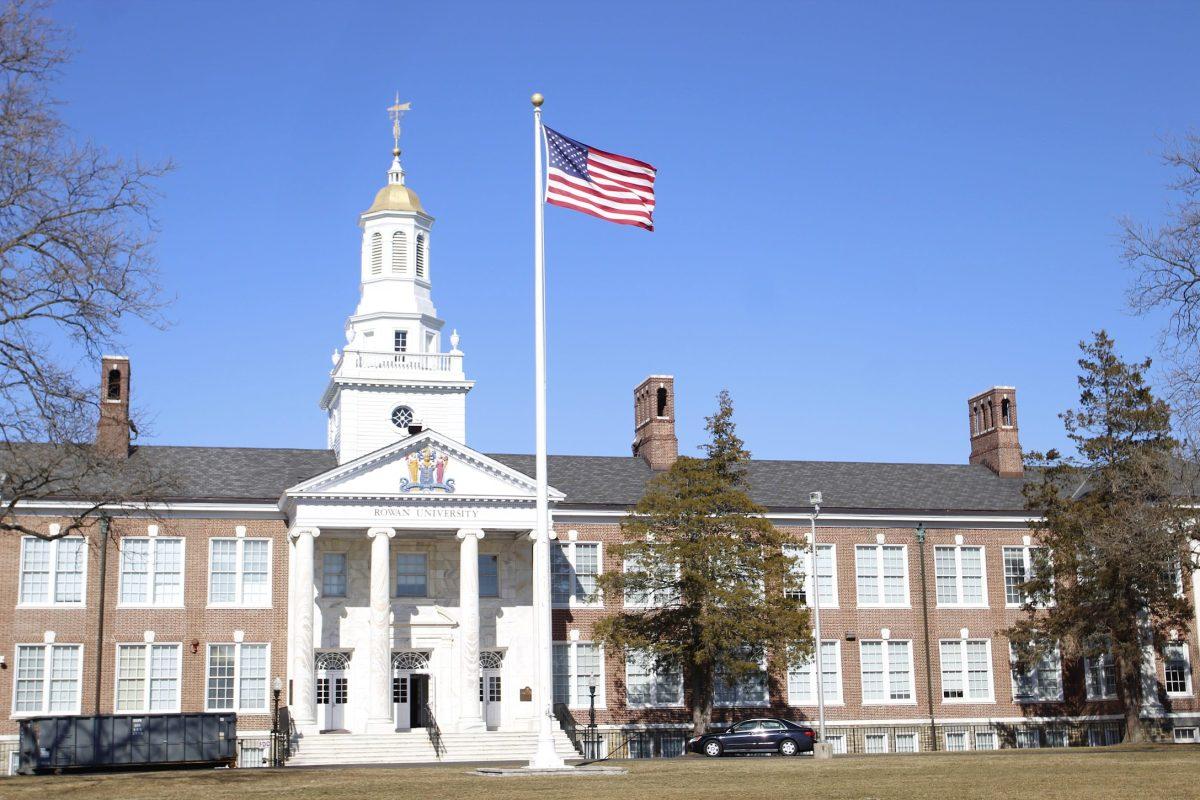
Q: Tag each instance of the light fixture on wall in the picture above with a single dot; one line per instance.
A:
(195, 646)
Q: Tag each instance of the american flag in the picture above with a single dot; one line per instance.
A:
(612, 187)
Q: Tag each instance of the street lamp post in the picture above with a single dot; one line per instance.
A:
(276, 690)
(593, 743)
(814, 499)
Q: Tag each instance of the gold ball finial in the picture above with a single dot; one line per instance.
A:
(537, 99)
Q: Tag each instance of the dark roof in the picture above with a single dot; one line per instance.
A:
(257, 474)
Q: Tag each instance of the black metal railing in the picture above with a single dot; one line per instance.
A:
(433, 731)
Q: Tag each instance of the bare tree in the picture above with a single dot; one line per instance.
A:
(75, 264)
(1166, 261)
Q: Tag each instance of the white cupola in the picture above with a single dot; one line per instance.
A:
(392, 375)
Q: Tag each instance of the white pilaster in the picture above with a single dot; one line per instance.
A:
(379, 637)
(470, 711)
(304, 681)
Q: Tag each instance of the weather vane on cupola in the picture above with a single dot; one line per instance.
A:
(395, 111)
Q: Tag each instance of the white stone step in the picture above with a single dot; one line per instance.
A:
(416, 747)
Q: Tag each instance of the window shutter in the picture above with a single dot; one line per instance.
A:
(420, 255)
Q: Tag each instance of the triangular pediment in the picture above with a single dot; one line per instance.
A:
(422, 467)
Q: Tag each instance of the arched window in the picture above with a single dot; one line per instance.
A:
(990, 417)
(974, 420)
(420, 255)
(332, 661)
(490, 659)
(661, 399)
(114, 384)
(410, 659)
(399, 253)
(376, 253)
(1006, 412)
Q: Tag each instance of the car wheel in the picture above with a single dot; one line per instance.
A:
(712, 749)
(787, 748)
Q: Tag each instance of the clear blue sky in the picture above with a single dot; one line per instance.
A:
(866, 212)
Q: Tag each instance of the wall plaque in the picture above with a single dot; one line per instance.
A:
(526, 695)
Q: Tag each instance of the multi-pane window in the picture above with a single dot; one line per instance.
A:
(152, 571)
(648, 685)
(48, 679)
(1020, 565)
(748, 689)
(802, 561)
(966, 670)
(1100, 676)
(1037, 681)
(239, 572)
(1178, 669)
(986, 740)
(959, 576)
(660, 596)
(574, 664)
(882, 574)
(1057, 737)
(400, 341)
(907, 743)
(333, 575)
(236, 677)
(887, 673)
(412, 575)
(956, 741)
(574, 567)
(875, 743)
(148, 677)
(802, 684)
(489, 576)
(1029, 738)
(52, 571)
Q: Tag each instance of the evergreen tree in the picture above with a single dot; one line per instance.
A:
(1115, 530)
(710, 571)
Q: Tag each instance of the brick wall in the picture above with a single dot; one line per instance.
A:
(194, 625)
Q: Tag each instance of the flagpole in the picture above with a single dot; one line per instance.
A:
(545, 757)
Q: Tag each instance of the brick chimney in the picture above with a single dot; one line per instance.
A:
(112, 434)
(654, 422)
(994, 439)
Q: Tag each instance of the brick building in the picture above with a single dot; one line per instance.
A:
(387, 583)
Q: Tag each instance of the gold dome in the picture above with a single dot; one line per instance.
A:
(395, 197)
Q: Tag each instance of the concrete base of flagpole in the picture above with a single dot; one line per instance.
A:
(822, 750)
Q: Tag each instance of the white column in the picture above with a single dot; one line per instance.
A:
(470, 711)
(304, 680)
(379, 635)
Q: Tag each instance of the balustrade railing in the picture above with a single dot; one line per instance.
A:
(398, 363)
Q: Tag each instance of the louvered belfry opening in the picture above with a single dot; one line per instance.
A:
(399, 253)
(376, 253)
(420, 255)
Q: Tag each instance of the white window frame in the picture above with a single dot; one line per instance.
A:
(1094, 692)
(569, 550)
(52, 576)
(1188, 734)
(887, 674)
(575, 698)
(47, 649)
(1041, 696)
(237, 677)
(656, 598)
(152, 572)
(965, 673)
(144, 708)
(993, 740)
(803, 565)
(916, 740)
(495, 557)
(1027, 563)
(811, 699)
(239, 575)
(395, 566)
(764, 703)
(881, 594)
(345, 573)
(875, 734)
(656, 677)
(959, 602)
(966, 738)
(1187, 661)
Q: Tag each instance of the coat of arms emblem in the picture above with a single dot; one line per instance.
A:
(427, 472)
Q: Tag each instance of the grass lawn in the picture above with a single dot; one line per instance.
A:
(1075, 774)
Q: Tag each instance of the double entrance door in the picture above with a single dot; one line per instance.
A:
(491, 687)
(411, 706)
(333, 691)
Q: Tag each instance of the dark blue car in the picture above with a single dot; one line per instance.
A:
(764, 735)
